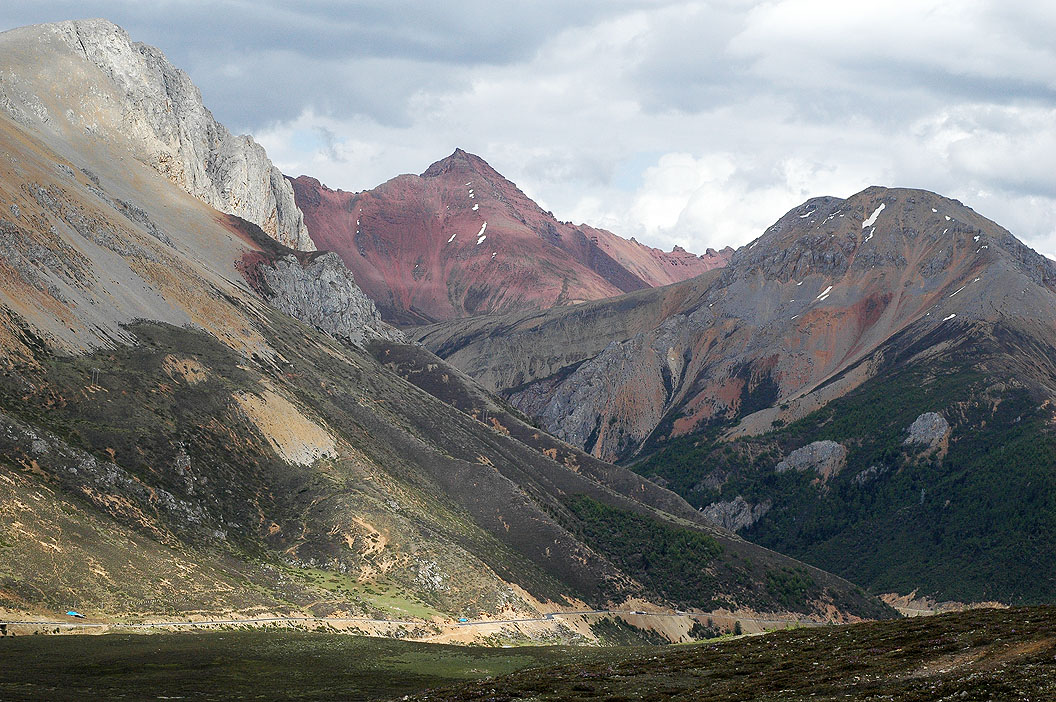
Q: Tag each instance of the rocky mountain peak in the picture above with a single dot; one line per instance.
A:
(94, 26)
(725, 252)
(461, 162)
(883, 228)
(88, 85)
(462, 240)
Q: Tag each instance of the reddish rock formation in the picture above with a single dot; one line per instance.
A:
(462, 240)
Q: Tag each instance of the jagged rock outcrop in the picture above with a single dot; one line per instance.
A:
(930, 430)
(826, 457)
(323, 293)
(735, 514)
(139, 99)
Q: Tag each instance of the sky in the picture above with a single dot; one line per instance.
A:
(689, 123)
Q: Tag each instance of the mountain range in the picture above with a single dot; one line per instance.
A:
(868, 386)
(224, 390)
(201, 414)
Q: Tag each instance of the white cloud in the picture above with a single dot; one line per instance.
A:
(957, 38)
(696, 123)
(717, 199)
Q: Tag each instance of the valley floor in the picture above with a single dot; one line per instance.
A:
(974, 655)
(579, 627)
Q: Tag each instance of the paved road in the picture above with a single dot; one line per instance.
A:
(550, 616)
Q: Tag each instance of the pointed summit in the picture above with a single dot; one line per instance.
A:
(462, 240)
(462, 162)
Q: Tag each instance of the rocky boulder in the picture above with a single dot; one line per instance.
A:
(929, 431)
(826, 457)
(735, 514)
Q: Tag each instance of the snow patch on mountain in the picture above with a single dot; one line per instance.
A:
(872, 218)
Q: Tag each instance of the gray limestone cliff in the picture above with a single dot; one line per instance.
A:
(322, 292)
(139, 99)
(928, 430)
(735, 514)
(826, 457)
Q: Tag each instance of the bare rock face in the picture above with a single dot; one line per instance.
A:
(826, 457)
(736, 514)
(322, 292)
(595, 409)
(137, 97)
(930, 430)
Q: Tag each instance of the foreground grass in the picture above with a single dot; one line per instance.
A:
(981, 655)
(971, 656)
(251, 665)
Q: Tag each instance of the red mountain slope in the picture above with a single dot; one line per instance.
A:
(461, 240)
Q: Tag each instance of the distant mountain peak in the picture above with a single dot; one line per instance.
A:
(881, 228)
(461, 161)
(461, 240)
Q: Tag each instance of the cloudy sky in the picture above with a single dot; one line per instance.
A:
(692, 123)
